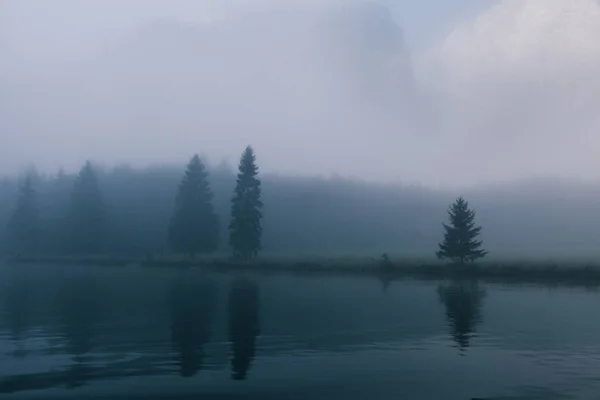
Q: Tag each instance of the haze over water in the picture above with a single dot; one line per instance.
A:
(90, 332)
(494, 100)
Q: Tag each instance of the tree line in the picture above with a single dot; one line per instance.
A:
(194, 226)
(307, 216)
(191, 308)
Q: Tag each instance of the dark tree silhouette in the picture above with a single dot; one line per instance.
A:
(192, 311)
(24, 226)
(463, 302)
(87, 215)
(243, 325)
(194, 226)
(245, 229)
(460, 242)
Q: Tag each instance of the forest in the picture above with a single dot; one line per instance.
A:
(312, 216)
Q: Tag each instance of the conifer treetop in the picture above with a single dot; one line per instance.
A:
(245, 228)
(460, 243)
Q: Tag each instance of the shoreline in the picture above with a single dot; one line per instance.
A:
(517, 272)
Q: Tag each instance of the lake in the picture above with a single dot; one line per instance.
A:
(91, 332)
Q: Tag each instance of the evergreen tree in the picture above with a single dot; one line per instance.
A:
(246, 209)
(87, 221)
(460, 242)
(57, 207)
(24, 226)
(194, 225)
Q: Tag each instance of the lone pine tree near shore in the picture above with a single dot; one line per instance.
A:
(24, 225)
(460, 242)
(246, 209)
(194, 226)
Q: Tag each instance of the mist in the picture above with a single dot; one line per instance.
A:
(338, 256)
(496, 91)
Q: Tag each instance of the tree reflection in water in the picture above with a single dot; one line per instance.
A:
(463, 301)
(192, 306)
(78, 313)
(17, 308)
(243, 325)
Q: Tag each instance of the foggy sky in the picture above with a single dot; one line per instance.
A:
(444, 96)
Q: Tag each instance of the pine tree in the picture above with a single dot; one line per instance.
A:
(246, 209)
(460, 242)
(194, 225)
(57, 206)
(87, 223)
(24, 226)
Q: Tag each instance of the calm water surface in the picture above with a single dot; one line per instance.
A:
(86, 332)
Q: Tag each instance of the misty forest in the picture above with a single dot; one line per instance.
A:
(203, 209)
(362, 144)
(299, 199)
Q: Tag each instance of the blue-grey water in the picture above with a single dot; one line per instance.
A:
(92, 332)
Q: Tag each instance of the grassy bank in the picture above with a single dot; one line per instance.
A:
(581, 273)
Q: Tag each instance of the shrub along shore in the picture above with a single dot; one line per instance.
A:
(384, 268)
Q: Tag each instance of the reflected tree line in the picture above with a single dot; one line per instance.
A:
(192, 308)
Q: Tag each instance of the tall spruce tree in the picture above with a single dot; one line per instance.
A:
(194, 226)
(245, 228)
(460, 242)
(24, 226)
(87, 219)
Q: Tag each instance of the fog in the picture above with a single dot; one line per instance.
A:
(493, 91)
(316, 217)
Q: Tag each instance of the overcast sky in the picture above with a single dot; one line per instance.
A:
(475, 91)
(54, 29)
